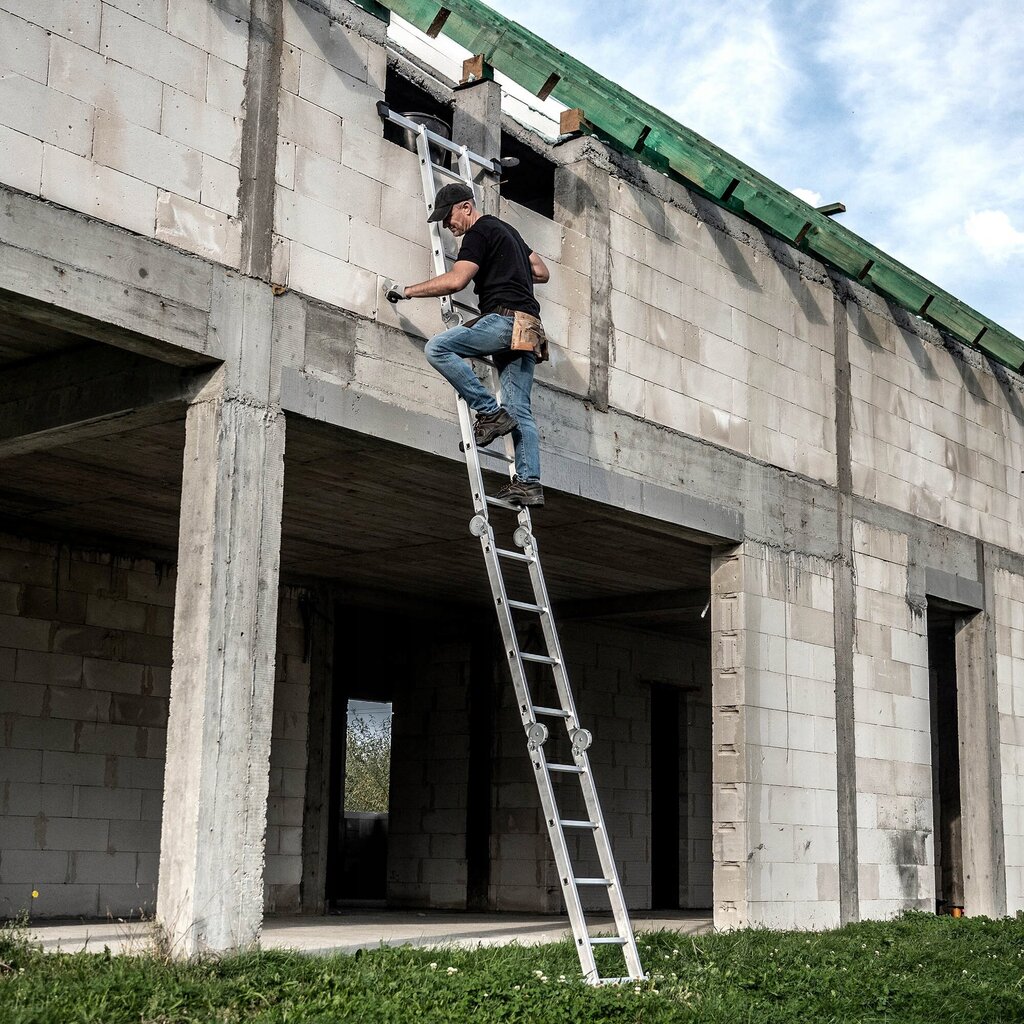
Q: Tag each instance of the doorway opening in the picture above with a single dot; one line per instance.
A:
(945, 728)
(364, 840)
(668, 817)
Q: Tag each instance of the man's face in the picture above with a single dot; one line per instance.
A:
(458, 221)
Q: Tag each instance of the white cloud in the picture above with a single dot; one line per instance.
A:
(994, 235)
(695, 65)
(814, 198)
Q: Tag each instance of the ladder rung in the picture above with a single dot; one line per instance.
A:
(515, 556)
(492, 454)
(607, 942)
(499, 502)
(448, 172)
(540, 659)
(550, 712)
(619, 981)
(525, 606)
(572, 823)
(592, 881)
(569, 769)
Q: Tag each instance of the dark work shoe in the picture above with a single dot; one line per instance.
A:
(489, 426)
(522, 492)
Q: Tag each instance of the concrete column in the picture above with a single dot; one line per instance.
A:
(477, 124)
(582, 201)
(318, 613)
(259, 137)
(844, 601)
(210, 894)
(981, 791)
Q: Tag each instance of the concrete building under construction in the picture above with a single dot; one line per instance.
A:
(783, 476)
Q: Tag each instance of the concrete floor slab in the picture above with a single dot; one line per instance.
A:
(367, 929)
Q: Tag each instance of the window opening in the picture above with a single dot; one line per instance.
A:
(418, 105)
(530, 183)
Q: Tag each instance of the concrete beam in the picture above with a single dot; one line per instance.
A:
(65, 270)
(85, 393)
(210, 894)
(319, 400)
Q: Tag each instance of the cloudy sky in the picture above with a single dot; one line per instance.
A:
(911, 112)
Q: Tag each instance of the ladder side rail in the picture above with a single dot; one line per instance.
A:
(476, 479)
(586, 778)
(437, 255)
(609, 870)
(550, 632)
(563, 862)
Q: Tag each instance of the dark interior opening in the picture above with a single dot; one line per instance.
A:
(531, 183)
(666, 791)
(357, 839)
(942, 679)
(407, 98)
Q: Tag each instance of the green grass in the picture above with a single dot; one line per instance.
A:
(917, 969)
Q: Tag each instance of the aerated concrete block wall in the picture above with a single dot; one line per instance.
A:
(718, 340)
(85, 656)
(934, 433)
(774, 735)
(1010, 675)
(892, 732)
(130, 112)
(85, 650)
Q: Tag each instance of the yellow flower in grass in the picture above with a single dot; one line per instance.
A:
(35, 894)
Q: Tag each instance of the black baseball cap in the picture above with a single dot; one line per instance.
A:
(449, 196)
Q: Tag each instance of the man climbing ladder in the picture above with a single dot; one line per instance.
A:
(509, 331)
(503, 269)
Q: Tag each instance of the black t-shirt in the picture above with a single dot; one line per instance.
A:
(504, 277)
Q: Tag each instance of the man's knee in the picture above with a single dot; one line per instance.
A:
(434, 349)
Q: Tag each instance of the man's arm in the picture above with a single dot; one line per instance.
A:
(444, 284)
(539, 269)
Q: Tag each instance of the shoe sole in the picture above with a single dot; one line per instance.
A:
(526, 502)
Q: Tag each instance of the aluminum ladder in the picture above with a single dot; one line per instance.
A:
(526, 555)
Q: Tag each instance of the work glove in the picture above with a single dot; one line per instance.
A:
(393, 292)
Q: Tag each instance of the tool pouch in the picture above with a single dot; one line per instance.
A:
(528, 335)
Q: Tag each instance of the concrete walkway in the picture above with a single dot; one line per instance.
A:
(367, 929)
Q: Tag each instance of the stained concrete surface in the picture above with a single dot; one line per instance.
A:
(367, 929)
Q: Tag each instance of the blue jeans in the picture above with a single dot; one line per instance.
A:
(491, 336)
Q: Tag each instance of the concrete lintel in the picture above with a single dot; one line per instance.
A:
(93, 392)
(954, 589)
(316, 399)
(66, 270)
